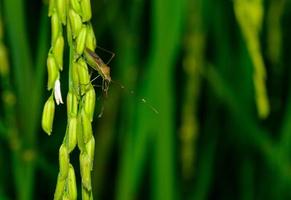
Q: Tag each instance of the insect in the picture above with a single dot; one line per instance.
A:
(97, 64)
(104, 71)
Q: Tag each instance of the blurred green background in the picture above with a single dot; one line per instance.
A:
(216, 70)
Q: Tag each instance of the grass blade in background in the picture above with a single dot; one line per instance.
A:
(166, 20)
(193, 64)
(28, 96)
(22, 66)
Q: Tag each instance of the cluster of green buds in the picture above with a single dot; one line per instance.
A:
(4, 69)
(57, 12)
(193, 62)
(75, 15)
(250, 15)
(8, 95)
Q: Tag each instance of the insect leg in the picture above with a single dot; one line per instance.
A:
(107, 51)
(95, 78)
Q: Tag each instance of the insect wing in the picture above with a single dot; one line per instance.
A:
(93, 59)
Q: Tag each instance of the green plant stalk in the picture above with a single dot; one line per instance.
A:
(104, 143)
(273, 153)
(22, 62)
(40, 70)
(249, 15)
(28, 183)
(127, 182)
(132, 163)
(2, 130)
(285, 128)
(205, 165)
(129, 172)
(75, 15)
(285, 136)
(12, 16)
(254, 135)
(247, 179)
(166, 15)
(226, 94)
(10, 133)
(274, 30)
(194, 45)
(241, 79)
(16, 21)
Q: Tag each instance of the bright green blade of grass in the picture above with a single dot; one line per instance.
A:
(167, 21)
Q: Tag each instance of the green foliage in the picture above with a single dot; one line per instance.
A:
(217, 72)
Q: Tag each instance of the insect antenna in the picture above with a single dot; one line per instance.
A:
(142, 100)
(107, 51)
(150, 106)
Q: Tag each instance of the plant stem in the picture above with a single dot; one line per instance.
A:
(28, 95)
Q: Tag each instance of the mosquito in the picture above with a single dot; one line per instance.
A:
(103, 70)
